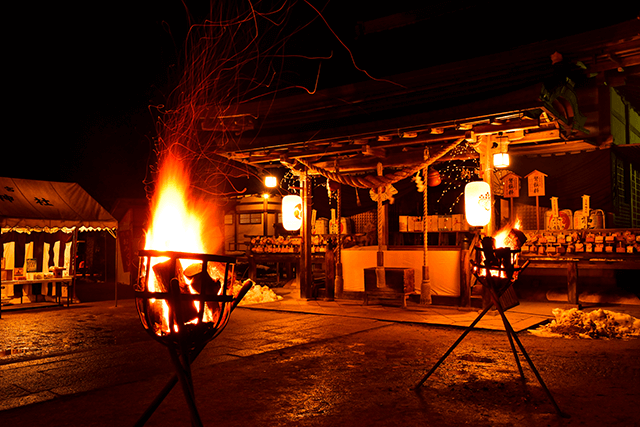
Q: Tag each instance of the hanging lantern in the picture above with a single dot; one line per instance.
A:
(501, 157)
(433, 178)
(477, 203)
(292, 212)
(270, 181)
(501, 160)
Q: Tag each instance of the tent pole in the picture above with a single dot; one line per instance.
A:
(116, 271)
(72, 266)
(105, 258)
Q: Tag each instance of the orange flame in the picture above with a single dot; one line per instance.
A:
(179, 223)
(176, 223)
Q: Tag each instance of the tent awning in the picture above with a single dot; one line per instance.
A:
(33, 204)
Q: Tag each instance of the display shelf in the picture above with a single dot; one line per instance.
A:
(605, 242)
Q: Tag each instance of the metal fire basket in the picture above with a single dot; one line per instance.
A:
(497, 270)
(184, 300)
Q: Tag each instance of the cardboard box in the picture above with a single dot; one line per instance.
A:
(445, 223)
(402, 223)
(458, 223)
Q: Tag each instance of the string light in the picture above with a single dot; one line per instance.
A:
(455, 175)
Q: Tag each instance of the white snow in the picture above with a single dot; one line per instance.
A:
(257, 294)
(574, 323)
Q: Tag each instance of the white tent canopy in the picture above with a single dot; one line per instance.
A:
(45, 205)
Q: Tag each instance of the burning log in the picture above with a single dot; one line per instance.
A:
(163, 273)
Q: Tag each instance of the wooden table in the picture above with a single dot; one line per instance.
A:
(58, 282)
(289, 260)
(584, 261)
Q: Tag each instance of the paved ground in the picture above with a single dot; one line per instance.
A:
(315, 363)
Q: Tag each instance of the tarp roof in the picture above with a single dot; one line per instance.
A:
(33, 204)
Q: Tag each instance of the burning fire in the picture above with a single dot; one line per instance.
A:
(506, 240)
(179, 224)
(176, 224)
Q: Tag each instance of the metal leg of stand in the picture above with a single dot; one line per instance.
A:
(164, 393)
(455, 344)
(508, 330)
(512, 333)
(184, 375)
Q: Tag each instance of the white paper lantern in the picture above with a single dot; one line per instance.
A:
(292, 212)
(477, 203)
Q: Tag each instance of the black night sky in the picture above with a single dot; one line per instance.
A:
(82, 78)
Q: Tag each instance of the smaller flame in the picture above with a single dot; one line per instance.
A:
(504, 238)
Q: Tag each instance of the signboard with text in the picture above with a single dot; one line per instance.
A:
(511, 185)
(535, 182)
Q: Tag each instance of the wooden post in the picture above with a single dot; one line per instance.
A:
(380, 277)
(339, 284)
(425, 285)
(537, 213)
(465, 276)
(116, 270)
(572, 283)
(487, 173)
(306, 278)
(265, 216)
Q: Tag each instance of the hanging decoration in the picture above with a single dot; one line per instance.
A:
(290, 181)
(332, 190)
(417, 178)
(388, 191)
(456, 175)
(433, 178)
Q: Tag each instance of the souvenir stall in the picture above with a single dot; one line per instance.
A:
(40, 221)
(584, 235)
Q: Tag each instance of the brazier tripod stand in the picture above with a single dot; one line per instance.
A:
(496, 273)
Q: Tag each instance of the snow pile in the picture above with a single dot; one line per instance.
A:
(599, 323)
(257, 294)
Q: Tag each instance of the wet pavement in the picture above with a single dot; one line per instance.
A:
(311, 363)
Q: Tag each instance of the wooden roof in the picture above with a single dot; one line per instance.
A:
(543, 106)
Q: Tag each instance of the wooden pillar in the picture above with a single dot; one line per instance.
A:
(572, 282)
(425, 285)
(486, 165)
(465, 274)
(265, 216)
(306, 277)
(339, 283)
(380, 276)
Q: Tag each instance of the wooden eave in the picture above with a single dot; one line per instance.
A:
(392, 121)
